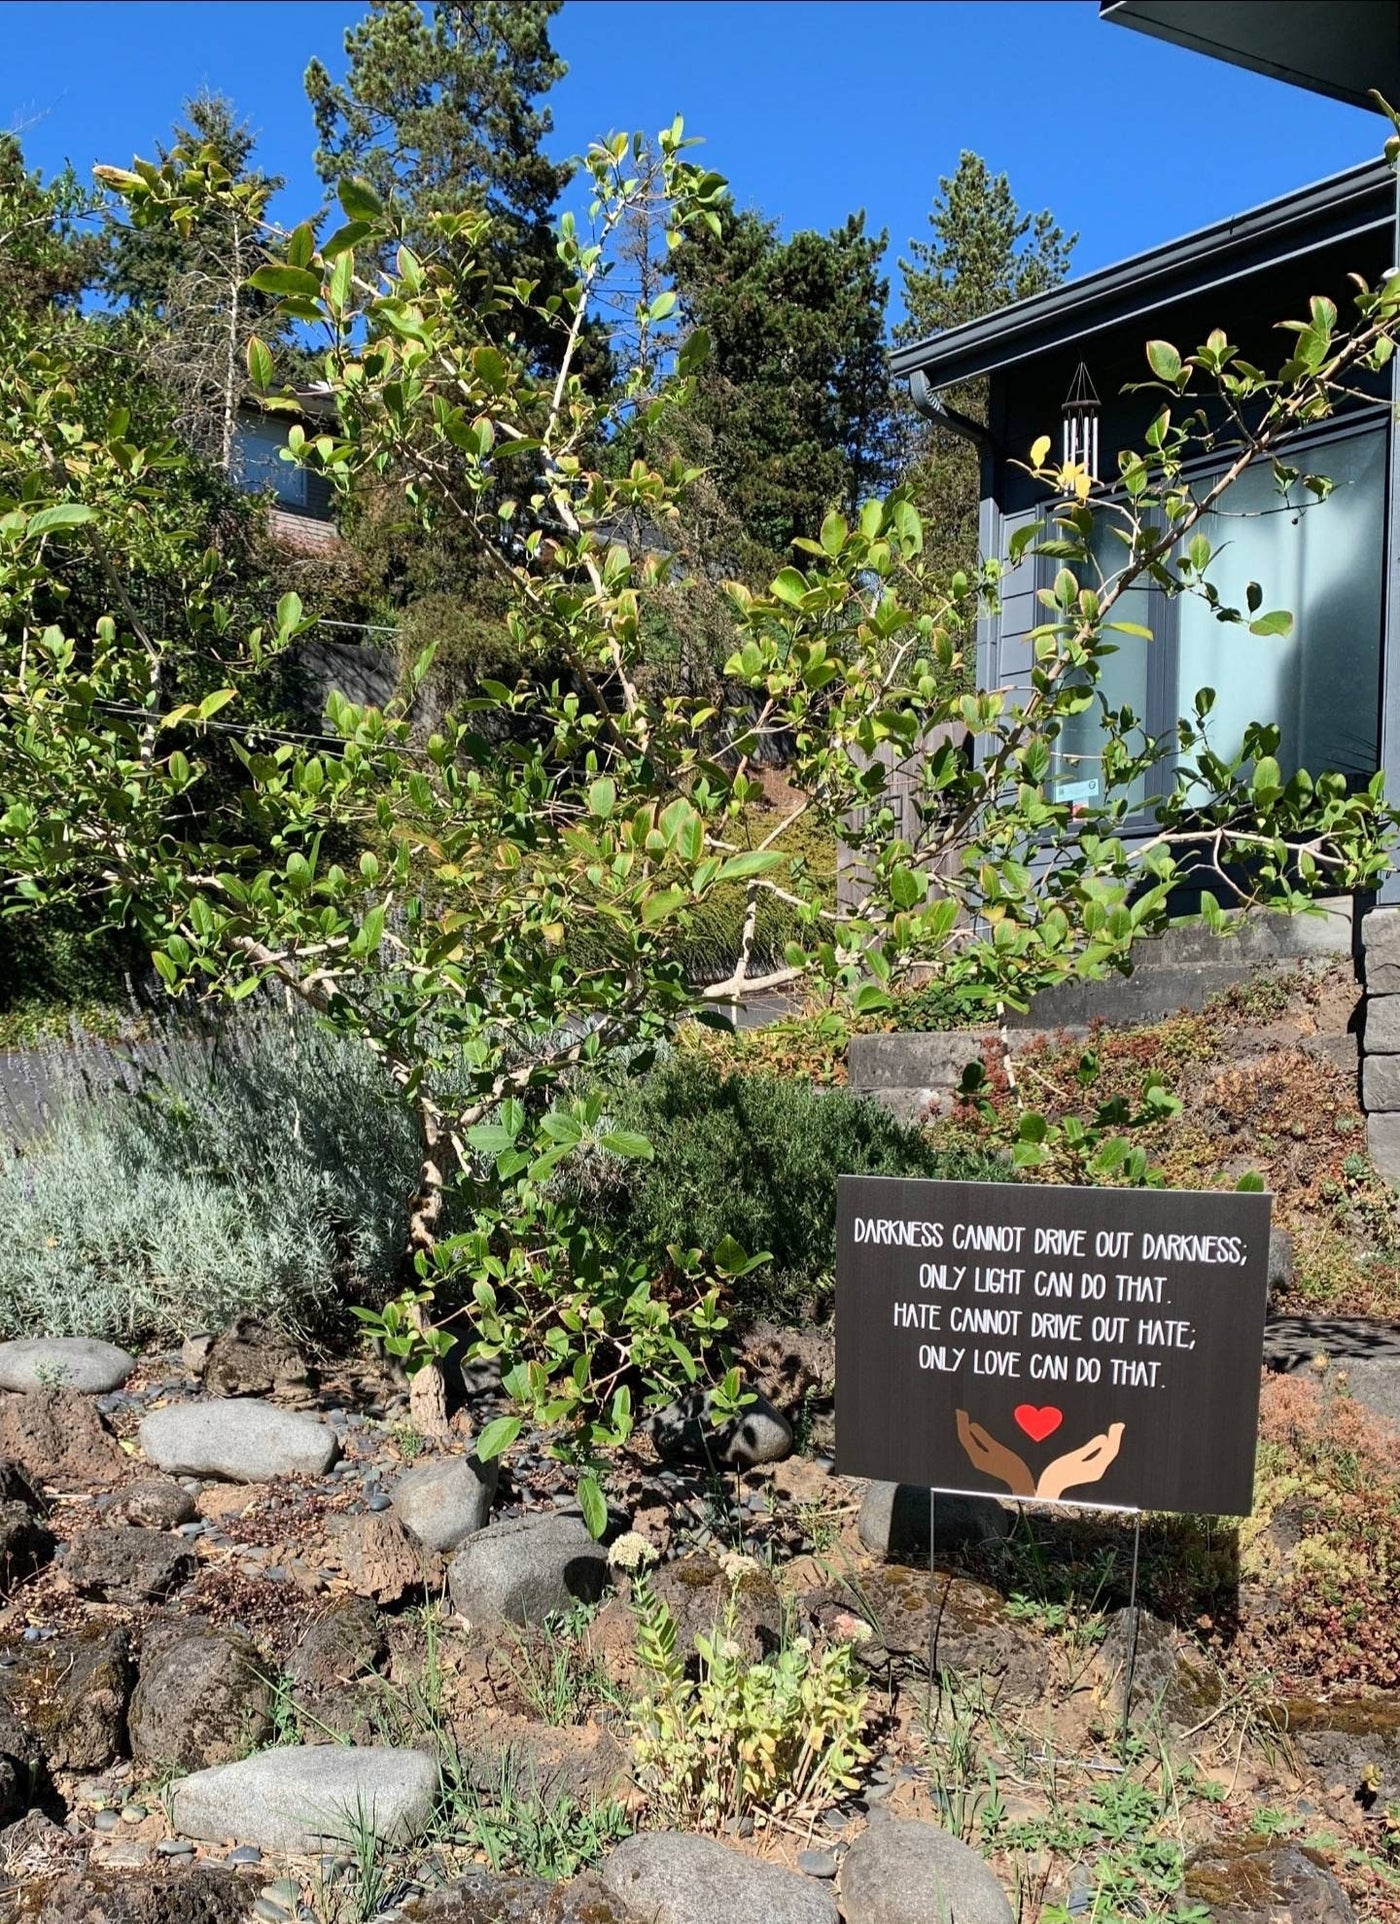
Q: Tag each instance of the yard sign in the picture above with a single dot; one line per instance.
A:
(1093, 1346)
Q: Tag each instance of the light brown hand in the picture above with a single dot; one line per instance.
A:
(1084, 1465)
(993, 1458)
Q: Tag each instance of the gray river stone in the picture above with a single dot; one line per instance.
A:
(65, 1363)
(303, 1798)
(672, 1877)
(239, 1438)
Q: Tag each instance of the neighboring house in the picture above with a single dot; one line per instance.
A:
(1333, 685)
(300, 510)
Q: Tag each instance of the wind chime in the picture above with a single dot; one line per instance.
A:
(1079, 435)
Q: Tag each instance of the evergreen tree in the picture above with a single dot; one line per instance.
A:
(983, 253)
(49, 257)
(794, 398)
(439, 112)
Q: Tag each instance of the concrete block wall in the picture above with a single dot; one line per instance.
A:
(1380, 1038)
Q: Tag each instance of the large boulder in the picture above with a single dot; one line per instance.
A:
(248, 1360)
(63, 1362)
(71, 1693)
(672, 1877)
(238, 1438)
(445, 1502)
(59, 1438)
(126, 1564)
(1170, 1679)
(333, 1671)
(379, 1559)
(96, 1895)
(202, 1698)
(697, 1591)
(303, 1798)
(908, 1873)
(967, 1625)
(526, 1569)
(1255, 1880)
(895, 1518)
(1349, 1741)
(482, 1897)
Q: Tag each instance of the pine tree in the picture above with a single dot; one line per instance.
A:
(984, 252)
(794, 397)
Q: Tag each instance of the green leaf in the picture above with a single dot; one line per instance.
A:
(286, 280)
(657, 907)
(752, 861)
(602, 797)
(789, 587)
(695, 351)
(1251, 1182)
(259, 364)
(1164, 360)
(498, 1436)
(66, 514)
(1277, 622)
(625, 1142)
(359, 201)
(591, 1502)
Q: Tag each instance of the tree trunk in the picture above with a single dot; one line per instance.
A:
(427, 1389)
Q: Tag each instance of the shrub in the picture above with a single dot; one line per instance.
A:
(258, 1169)
(756, 1159)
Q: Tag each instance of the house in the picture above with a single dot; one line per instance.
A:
(1333, 685)
(299, 512)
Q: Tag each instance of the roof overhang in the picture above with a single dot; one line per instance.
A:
(1359, 201)
(1342, 48)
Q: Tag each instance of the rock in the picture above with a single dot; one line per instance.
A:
(482, 1897)
(158, 1503)
(97, 1895)
(1282, 1269)
(1169, 1679)
(445, 1502)
(126, 1564)
(25, 1545)
(16, 1487)
(248, 1360)
(1254, 1880)
(59, 1438)
(63, 1362)
(21, 1764)
(301, 1798)
(72, 1693)
(202, 1698)
(696, 1591)
(523, 1570)
(686, 1432)
(379, 1558)
(342, 1643)
(1349, 1741)
(242, 1440)
(898, 1872)
(894, 1522)
(584, 1762)
(975, 1637)
(672, 1877)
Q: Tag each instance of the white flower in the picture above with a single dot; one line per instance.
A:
(631, 1552)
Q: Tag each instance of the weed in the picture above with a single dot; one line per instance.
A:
(518, 1826)
(561, 1680)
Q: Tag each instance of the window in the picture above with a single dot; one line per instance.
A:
(258, 463)
(1319, 560)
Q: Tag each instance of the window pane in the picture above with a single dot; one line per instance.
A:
(259, 464)
(1078, 764)
(1321, 562)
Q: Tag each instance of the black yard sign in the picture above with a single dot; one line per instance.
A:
(1098, 1346)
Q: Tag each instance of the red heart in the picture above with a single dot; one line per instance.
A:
(1038, 1424)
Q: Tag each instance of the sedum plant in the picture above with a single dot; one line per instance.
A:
(743, 1737)
(498, 906)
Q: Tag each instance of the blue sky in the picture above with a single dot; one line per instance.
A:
(811, 110)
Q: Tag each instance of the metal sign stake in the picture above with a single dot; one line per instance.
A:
(1133, 1636)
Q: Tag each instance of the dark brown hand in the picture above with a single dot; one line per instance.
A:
(993, 1458)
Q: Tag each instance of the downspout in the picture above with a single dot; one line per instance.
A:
(929, 402)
